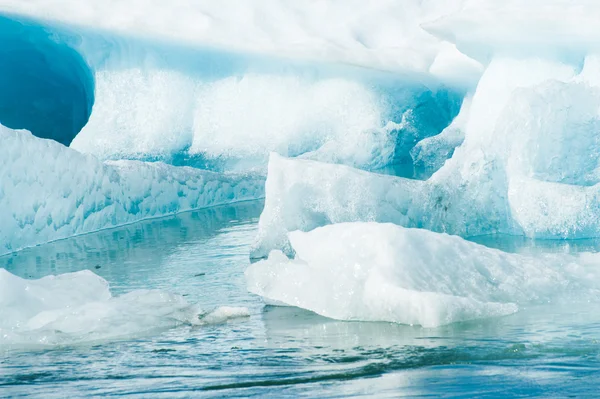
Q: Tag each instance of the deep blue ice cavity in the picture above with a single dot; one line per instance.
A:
(46, 87)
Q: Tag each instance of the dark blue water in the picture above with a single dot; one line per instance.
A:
(544, 351)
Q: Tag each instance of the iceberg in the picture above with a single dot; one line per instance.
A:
(65, 193)
(384, 272)
(123, 91)
(75, 308)
(518, 171)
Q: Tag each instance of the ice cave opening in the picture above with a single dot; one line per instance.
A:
(46, 86)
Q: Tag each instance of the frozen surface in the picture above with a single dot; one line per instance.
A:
(78, 307)
(50, 191)
(383, 272)
(554, 28)
(519, 169)
(385, 35)
(234, 122)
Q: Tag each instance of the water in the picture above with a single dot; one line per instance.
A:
(550, 351)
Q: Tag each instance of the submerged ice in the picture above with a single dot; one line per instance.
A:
(78, 307)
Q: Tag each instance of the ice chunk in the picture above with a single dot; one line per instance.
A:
(78, 307)
(384, 272)
(224, 314)
(303, 195)
(49, 191)
(518, 140)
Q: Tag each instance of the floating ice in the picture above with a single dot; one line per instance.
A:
(383, 272)
(518, 171)
(78, 307)
(49, 191)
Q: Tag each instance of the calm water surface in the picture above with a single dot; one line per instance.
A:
(549, 351)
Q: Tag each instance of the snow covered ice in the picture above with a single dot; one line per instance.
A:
(384, 272)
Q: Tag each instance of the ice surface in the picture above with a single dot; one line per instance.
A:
(158, 113)
(518, 171)
(386, 35)
(551, 28)
(50, 191)
(78, 307)
(431, 152)
(233, 123)
(165, 100)
(46, 86)
(384, 272)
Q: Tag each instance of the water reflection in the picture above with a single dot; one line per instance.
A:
(137, 255)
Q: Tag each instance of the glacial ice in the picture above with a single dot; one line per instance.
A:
(205, 85)
(186, 97)
(559, 29)
(431, 153)
(49, 191)
(141, 114)
(78, 307)
(384, 272)
(52, 99)
(154, 113)
(386, 35)
(518, 170)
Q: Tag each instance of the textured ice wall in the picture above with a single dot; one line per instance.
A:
(162, 114)
(198, 105)
(78, 307)
(527, 165)
(49, 191)
(383, 272)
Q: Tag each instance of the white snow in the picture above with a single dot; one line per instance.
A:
(75, 308)
(384, 272)
(50, 192)
(551, 28)
(384, 35)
